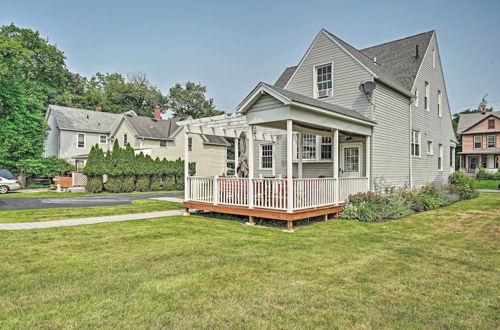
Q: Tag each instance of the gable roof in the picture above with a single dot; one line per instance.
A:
(285, 76)
(82, 120)
(398, 56)
(289, 97)
(467, 120)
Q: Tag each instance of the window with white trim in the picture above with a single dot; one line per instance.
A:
(266, 156)
(103, 139)
(80, 142)
(308, 146)
(478, 142)
(326, 147)
(163, 143)
(351, 159)
(426, 96)
(439, 106)
(416, 97)
(324, 81)
(125, 139)
(430, 148)
(440, 157)
(415, 143)
(491, 141)
(190, 144)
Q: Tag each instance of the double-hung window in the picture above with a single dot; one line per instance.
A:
(439, 105)
(308, 146)
(103, 139)
(426, 96)
(491, 123)
(326, 147)
(324, 80)
(415, 143)
(491, 141)
(477, 142)
(266, 156)
(440, 158)
(80, 141)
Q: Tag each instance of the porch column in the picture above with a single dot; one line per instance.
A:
(236, 155)
(367, 162)
(187, 193)
(300, 149)
(289, 164)
(250, 166)
(336, 165)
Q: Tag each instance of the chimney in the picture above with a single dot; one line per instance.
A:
(157, 112)
(98, 108)
(483, 109)
(416, 51)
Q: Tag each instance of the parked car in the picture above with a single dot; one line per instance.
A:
(8, 182)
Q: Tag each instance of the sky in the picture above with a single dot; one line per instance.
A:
(230, 46)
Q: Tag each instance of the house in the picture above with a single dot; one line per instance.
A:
(343, 120)
(480, 132)
(71, 132)
(165, 139)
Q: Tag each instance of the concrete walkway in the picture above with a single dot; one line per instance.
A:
(87, 221)
(488, 191)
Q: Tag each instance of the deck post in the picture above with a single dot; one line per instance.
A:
(368, 185)
(216, 190)
(187, 193)
(250, 166)
(336, 194)
(236, 155)
(289, 165)
(300, 150)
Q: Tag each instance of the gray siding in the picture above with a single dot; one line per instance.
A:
(433, 128)
(52, 139)
(68, 144)
(347, 75)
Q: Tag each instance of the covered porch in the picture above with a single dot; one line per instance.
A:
(278, 146)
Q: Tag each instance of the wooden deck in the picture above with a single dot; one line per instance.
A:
(267, 213)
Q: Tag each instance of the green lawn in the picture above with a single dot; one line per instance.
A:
(58, 194)
(486, 184)
(437, 269)
(137, 206)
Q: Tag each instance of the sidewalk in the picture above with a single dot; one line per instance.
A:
(87, 221)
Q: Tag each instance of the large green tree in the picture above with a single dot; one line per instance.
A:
(189, 100)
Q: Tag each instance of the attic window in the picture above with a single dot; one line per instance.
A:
(491, 123)
(324, 82)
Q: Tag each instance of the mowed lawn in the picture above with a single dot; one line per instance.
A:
(487, 184)
(438, 269)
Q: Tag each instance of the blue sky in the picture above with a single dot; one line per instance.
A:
(230, 46)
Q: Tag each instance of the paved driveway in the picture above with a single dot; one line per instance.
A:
(25, 203)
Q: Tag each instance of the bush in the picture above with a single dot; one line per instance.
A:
(142, 183)
(462, 186)
(155, 183)
(483, 174)
(94, 184)
(425, 202)
(396, 206)
(128, 184)
(114, 184)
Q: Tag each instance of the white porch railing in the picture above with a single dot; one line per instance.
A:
(273, 193)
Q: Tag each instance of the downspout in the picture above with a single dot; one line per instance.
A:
(410, 156)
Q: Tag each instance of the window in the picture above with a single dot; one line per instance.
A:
(351, 159)
(430, 148)
(440, 99)
(190, 144)
(125, 139)
(477, 142)
(491, 141)
(81, 141)
(452, 157)
(103, 139)
(416, 97)
(440, 157)
(308, 146)
(326, 147)
(79, 165)
(266, 156)
(163, 143)
(491, 123)
(324, 81)
(484, 161)
(426, 96)
(415, 143)
(433, 58)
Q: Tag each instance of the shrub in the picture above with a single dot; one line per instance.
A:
(128, 184)
(424, 202)
(142, 183)
(155, 183)
(94, 184)
(483, 174)
(363, 211)
(396, 206)
(114, 184)
(461, 185)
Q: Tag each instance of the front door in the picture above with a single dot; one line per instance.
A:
(350, 160)
(473, 160)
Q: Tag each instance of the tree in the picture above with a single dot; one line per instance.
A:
(44, 167)
(456, 116)
(190, 100)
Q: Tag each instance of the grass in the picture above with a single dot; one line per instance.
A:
(137, 206)
(437, 269)
(58, 194)
(487, 184)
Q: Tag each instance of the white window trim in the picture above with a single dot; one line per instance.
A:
(272, 157)
(431, 152)
(100, 136)
(427, 92)
(84, 140)
(318, 144)
(315, 80)
(419, 140)
(416, 97)
(440, 103)
(342, 156)
(440, 150)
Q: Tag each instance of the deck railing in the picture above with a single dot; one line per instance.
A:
(232, 191)
(270, 193)
(201, 188)
(313, 192)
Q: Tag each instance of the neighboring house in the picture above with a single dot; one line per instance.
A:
(480, 134)
(165, 139)
(413, 141)
(71, 132)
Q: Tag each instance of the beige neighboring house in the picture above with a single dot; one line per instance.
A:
(164, 138)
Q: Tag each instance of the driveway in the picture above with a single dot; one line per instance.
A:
(25, 203)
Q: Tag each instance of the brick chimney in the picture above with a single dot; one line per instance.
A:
(483, 109)
(157, 112)
(98, 108)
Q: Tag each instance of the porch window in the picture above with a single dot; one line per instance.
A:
(324, 80)
(308, 146)
(430, 148)
(80, 140)
(491, 141)
(326, 147)
(484, 161)
(440, 158)
(426, 96)
(415, 143)
(103, 139)
(477, 142)
(125, 139)
(439, 107)
(351, 159)
(266, 156)
(491, 123)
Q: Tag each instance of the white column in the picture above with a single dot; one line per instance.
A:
(250, 166)
(289, 163)
(300, 152)
(274, 158)
(368, 161)
(236, 152)
(336, 164)
(187, 194)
